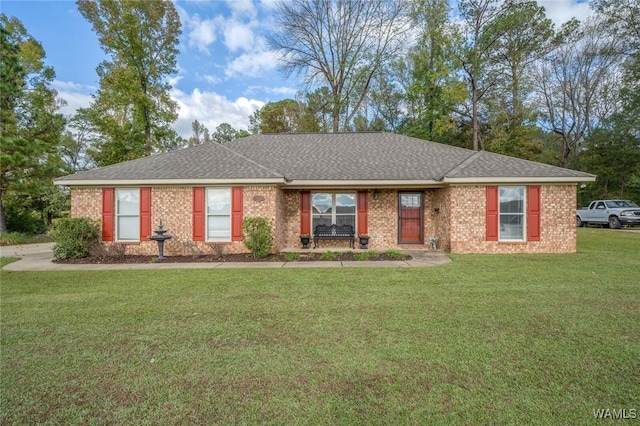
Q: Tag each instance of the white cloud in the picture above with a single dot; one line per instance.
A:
(212, 79)
(238, 36)
(289, 92)
(242, 8)
(212, 109)
(560, 11)
(269, 4)
(200, 33)
(252, 64)
(75, 95)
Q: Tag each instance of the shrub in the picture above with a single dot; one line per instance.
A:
(74, 237)
(396, 254)
(13, 238)
(329, 255)
(366, 255)
(291, 257)
(256, 235)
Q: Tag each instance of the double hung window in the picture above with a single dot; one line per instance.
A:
(512, 213)
(128, 214)
(219, 214)
(333, 208)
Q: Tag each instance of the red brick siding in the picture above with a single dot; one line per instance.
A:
(557, 227)
(459, 222)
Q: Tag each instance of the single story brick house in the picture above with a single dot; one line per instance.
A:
(399, 190)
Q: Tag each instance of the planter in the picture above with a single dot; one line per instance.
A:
(364, 242)
(305, 241)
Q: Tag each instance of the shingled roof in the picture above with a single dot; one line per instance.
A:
(299, 159)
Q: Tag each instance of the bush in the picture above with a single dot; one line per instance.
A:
(396, 254)
(366, 255)
(13, 238)
(329, 255)
(21, 217)
(75, 237)
(291, 257)
(256, 235)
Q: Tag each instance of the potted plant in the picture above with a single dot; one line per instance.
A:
(305, 239)
(364, 241)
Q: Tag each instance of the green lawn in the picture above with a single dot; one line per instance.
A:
(536, 339)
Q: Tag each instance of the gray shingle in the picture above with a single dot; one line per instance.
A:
(351, 156)
(208, 161)
(324, 156)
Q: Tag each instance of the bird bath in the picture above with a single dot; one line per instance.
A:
(160, 237)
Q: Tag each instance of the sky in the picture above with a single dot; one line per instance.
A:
(225, 68)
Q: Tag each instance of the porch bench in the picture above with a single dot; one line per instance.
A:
(334, 232)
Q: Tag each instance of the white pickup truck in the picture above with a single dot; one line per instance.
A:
(614, 213)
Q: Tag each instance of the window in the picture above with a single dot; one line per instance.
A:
(219, 214)
(512, 213)
(127, 214)
(329, 209)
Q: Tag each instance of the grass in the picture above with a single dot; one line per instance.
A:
(16, 238)
(514, 339)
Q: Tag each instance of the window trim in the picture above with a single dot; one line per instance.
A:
(117, 215)
(207, 214)
(524, 215)
(334, 212)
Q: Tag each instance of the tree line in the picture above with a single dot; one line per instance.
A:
(500, 77)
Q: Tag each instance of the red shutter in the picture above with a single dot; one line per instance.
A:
(492, 213)
(533, 213)
(198, 214)
(236, 213)
(145, 214)
(363, 226)
(108, 214)
(305, 212)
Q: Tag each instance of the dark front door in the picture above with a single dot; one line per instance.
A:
(410, 218)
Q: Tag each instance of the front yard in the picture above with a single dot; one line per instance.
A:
(536, 339)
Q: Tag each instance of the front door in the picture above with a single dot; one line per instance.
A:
(410, 218)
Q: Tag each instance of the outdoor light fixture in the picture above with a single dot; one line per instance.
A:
(436, 209)
(376, 194)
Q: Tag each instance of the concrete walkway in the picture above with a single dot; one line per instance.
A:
(38, 257)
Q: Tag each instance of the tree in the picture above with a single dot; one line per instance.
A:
(30, 127)
(200, 134)
(433, 90)
(572, 86)
(526, 37)
(285, 116)
(132, 110)
(340, 44)
(226, 133)
(480, 36)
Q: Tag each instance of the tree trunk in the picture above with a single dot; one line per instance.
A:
(3, 220)
(474, 114)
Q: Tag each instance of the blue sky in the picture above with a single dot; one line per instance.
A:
(226, 70)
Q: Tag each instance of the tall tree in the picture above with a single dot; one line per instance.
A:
(200, 134)
(225, 132)
(340, 44)
(571, 87)
(433, 90)
(132, 109)
(30, 126)
(285, 116)
(526, 36)
(480, 35)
